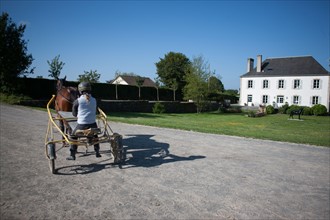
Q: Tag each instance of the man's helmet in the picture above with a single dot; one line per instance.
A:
(84, 87)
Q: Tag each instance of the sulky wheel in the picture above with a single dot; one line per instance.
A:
(51, 153)
(52, 165)
(117, 148)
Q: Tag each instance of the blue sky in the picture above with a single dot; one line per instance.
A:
(131, 36)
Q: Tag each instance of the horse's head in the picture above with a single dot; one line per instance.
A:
(60, 83)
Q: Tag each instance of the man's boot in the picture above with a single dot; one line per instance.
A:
(72, 155)
(97, 150)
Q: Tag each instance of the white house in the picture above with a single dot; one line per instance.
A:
(133, 81)
(275, 81)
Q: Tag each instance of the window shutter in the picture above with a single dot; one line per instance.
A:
(299, 100)
(312, 84)
(320, 85)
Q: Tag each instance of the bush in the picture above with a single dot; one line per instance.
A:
(283, 109)
(13, 98)
(270, 109)
(251, 113)
(319, 109)
(307, 111)
(293, 108)
(158, 108)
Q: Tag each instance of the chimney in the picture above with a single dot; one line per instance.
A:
(259, 61)
(250, 64)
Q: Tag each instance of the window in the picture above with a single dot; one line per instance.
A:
(265, 84)
(249, 98)
(280, 99)
(316, 84)
(315, 100)
(281, 84)
(265, 99)
(250, 84)
(296, 84)
(295, 100)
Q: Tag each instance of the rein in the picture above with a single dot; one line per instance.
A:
(66, 99)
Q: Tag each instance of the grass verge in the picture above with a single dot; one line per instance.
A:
(314, 130)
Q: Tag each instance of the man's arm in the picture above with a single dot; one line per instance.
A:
(75, 108)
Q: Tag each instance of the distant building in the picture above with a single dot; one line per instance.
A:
(132, 81)
(275, 81)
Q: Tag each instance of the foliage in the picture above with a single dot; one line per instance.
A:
(171, 70)
(319, 109)
(158, 108)
(139, 82)
(92, 76)
(307, 110)
(215, 85)
(252, 113)
(283, 109)
(13, 99)
(196, 88)
(270, 109)
(55, 67)
(231, 109)
(233, 92)
(293, 108)
(14, 59)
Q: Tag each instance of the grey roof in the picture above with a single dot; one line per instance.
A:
(288, 66)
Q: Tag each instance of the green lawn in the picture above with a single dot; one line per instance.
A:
(313, 130)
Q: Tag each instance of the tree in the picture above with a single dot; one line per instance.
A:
(174, 86)
(139, 83)
(197, 78)
(14, 59)
(171, 70)
(215, 85)
(157, 88)
(55, 67)
(92, 76)
(233, 92)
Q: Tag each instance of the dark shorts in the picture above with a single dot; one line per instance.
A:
(84, 126)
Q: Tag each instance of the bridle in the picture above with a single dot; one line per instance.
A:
(72, 96)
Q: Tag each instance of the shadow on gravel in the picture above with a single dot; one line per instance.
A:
(83, 169)
(142, 151)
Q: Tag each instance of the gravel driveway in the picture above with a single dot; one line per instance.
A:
(168, 174)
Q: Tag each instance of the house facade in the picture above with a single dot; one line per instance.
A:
(133, 81)
(293, 80)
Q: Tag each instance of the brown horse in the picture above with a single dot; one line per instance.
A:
(65, 97)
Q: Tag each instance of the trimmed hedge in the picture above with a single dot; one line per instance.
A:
(40, 89)
(43, 89)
